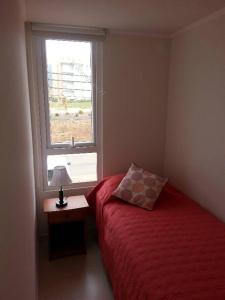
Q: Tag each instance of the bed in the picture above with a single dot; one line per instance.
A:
(175, 252)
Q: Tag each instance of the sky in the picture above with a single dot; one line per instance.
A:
(56, 51)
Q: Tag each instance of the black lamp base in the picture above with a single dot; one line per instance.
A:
(61, 203)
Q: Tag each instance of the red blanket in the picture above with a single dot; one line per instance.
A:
(176, 251)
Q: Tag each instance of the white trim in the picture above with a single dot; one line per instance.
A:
(76, 150)
(34, 106)
(72, 186)
(99, 107)
(94, 94)
(198, 23)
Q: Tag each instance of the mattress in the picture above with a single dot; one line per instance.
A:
(175, 252)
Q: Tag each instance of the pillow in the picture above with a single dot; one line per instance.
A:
(140, 187)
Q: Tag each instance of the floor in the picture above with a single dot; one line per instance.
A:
(73, 278)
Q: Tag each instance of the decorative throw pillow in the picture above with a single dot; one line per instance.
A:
(140, 187)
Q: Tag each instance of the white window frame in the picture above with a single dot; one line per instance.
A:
(37, 34)
(43, 78)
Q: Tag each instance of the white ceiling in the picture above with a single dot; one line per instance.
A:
(151, 16)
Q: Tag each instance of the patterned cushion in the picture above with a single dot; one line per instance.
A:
(140, 187)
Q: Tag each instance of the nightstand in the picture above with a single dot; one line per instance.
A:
(66, 226)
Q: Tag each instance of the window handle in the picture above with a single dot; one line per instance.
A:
(73, 143)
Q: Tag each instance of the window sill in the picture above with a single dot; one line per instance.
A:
(69, 191)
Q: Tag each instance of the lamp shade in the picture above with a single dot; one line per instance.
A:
(60, 176)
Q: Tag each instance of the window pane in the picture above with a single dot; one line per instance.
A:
(69, 72)
(78, 167)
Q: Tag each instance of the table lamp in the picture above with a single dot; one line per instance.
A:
(60, 177)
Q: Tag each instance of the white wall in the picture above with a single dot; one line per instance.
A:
(135, 77)
(195, 144)
(134, 111)
(17, 208)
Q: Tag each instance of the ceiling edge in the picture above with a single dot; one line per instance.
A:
(138, 33)
(198, 23)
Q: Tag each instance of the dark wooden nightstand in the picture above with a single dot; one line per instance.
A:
(66, 226)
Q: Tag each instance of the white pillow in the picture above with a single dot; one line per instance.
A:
(140, 187)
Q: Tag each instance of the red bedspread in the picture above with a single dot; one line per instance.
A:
(176, 251)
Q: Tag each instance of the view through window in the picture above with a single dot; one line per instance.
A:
(69, 71)
(70, 119)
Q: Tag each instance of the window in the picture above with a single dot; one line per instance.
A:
(70, 97)
(68, 85)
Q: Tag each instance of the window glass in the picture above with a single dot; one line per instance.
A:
(69, 77)
(77, 167)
